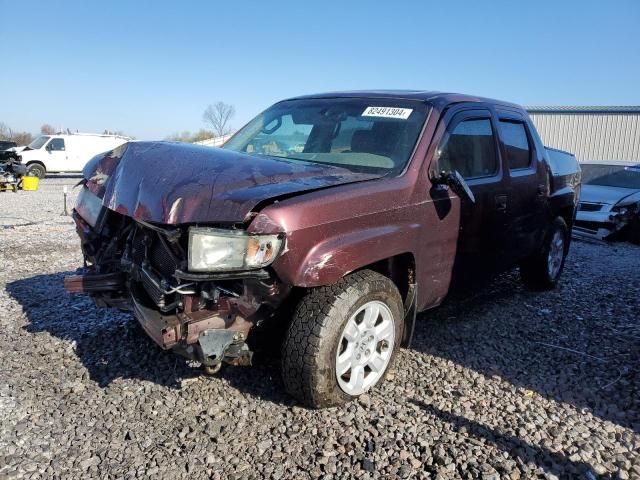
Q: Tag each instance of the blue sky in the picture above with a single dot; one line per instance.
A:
(150, 68)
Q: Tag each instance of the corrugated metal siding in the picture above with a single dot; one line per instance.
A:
(591, 136)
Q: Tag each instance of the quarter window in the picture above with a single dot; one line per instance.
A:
(516, 143)
(57, 144)
(470, 149)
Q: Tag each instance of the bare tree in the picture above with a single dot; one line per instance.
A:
(5, 132)
(115, 132)
(47, 129)
(188, 137)
(219, 116)
(22, 138)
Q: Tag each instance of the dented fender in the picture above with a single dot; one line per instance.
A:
(339, 255)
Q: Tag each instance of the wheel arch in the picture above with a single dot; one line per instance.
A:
(401, 270)
(567, 213)
(386, 249)
(37, 162)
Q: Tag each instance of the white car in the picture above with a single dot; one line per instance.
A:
(66, 152)
(609, 205)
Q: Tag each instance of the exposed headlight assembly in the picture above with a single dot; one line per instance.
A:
(213, 250)
(88, 205)
(621, 210)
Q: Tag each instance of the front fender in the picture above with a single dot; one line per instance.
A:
(339, 255)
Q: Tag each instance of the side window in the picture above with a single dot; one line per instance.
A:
(470, 149)
(516, 143)
(57, 145)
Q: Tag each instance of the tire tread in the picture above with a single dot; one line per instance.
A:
(313, 317)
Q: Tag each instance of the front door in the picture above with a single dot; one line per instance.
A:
(470, 146)
(56, 158)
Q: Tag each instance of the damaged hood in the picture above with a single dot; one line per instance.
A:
(174, 183)
(607, 195)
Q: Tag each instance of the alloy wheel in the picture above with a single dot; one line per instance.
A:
(365, 348)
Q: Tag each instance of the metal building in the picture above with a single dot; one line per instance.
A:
(591, 133)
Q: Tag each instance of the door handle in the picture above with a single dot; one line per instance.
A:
(501, 203)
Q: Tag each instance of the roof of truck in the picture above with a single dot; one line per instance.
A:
(434, 97)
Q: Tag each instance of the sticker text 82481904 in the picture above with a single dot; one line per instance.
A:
(388, 112)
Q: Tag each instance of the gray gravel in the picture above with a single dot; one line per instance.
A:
(506, 384)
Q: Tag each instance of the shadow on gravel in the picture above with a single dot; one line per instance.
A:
(583, 355)
(111, 345)
(108, 343)
(552, 462)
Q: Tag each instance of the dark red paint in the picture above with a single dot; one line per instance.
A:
(335, 221)
(172, 183)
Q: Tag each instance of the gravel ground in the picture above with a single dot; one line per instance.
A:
(507, 384)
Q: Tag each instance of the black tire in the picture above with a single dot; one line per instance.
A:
(535, 270)
(36, 170)
(311, 342)
(633, 233)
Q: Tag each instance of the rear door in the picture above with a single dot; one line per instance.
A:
(470, 146)
(528, 185)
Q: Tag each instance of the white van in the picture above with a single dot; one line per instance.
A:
(66, 152)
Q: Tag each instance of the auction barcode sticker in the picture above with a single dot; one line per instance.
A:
(388, 112)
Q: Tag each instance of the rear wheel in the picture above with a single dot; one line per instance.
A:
(542, 270)
(36, 170)
(342, 339)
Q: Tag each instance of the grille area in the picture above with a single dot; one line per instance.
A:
(137, 247)
(157, 263)
(148, 246)
(589, 207)
(161, 259)
(154, 292)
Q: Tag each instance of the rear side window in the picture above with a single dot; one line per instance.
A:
(470, 149)
(57, 144)
(516, 143)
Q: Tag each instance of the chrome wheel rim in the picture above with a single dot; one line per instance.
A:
(556, 252)
(365, 348)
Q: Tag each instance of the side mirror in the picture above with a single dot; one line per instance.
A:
(48, 147)
(457, 183)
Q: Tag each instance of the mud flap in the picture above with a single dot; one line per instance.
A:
(409, 316)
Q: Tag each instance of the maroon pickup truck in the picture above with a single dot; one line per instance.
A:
(334, 217)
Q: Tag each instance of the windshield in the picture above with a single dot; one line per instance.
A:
(39, 142)
(364, 135)
(611, 175)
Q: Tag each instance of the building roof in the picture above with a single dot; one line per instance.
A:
(616, 163)
(584, 109)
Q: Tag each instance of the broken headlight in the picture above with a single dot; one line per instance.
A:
(621, 210)
(212, 249)
(88, 205)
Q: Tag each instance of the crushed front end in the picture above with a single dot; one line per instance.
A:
(607, 222)
(202, 306)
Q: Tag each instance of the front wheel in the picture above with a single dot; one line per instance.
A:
(542, 270)
(36, 170)
(342, 339)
